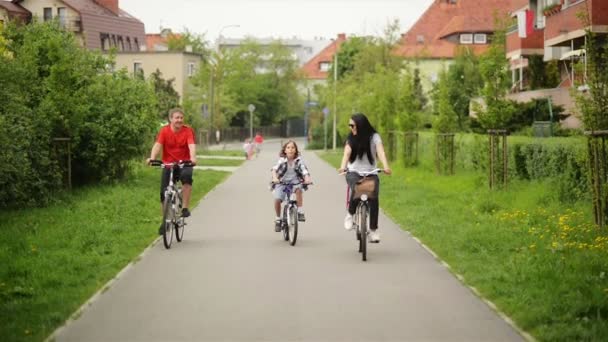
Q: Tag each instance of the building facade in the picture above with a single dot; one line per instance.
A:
(97, 24)
(447, 25)
(555, 30)
(176, 65)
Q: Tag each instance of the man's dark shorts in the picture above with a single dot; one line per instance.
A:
(184, 175)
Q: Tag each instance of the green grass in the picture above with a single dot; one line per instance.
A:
(230, 153)
(542, 262)
(219, 162)
(55, 258)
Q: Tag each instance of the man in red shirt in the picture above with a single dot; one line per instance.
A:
(176, 141)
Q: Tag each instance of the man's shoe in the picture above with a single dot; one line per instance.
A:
(277, 225)
(185, 212)
(348, 222)
(301, 217)
(161, 229)
(373, 236)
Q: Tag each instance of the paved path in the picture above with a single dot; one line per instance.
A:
(235, 279)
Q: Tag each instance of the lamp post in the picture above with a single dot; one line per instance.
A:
(251, 108)
(335, 95)
(213, 70)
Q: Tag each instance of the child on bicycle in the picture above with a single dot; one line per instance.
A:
(290, 169)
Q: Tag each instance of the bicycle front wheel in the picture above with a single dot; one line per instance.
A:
(293, 225)
(168, 221)
(285, 223)
(179, 229)
(363, 231)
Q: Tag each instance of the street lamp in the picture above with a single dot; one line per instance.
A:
(251, 108)
(335, 95)
(211, 74)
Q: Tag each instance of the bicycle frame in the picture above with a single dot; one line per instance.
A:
(172, 218)
(362, 214)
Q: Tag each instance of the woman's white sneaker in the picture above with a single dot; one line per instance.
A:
(348, 222)
(373, 236)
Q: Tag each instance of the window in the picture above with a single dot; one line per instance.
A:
(191, 69)
(324, 66)
(63, 16)
(138, 70)
(129, 47)
(466, 38)
(48, 14)
(105, 42)
(419, 38)
(136, 45)
(121, 44)
(480, 38)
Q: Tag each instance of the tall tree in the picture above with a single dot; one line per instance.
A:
(494, 66)
(165, 93)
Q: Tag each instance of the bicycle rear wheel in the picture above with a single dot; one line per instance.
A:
(168, 219)
(292, 227)
(363, 231)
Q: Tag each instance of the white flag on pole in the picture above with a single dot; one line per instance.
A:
(521, 24)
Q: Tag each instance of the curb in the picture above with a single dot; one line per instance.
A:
(74, 316)
(462, 280)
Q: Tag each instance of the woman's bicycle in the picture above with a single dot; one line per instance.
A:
(289, 217)
(364, 189)
(172, 205)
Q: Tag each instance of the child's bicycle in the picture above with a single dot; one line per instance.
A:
(364, 188)
(172, 205)
(289, 217)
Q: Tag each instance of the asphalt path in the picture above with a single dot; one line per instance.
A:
(234, 279)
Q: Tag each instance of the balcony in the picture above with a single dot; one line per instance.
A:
(563, 26)
(533, 44)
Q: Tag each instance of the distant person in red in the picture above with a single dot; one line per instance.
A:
(258, 140)
(176, 141)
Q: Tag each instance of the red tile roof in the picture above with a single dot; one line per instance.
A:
(427, 38)
(153, 39)
(311, 69)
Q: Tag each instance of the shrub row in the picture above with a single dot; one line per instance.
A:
(563, 160)
(51, 88)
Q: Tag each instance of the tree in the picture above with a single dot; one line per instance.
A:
(52, 88)
(444, 109)
(188, 40)
(166, 95)
(494, 67)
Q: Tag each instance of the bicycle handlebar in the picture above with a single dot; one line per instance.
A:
(180, 164)
(363, 173)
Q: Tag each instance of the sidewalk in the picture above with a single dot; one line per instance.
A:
(234, 279)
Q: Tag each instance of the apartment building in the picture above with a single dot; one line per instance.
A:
(555, 30)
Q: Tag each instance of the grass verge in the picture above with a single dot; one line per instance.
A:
(219, 162)
(229, 153)
(55, 258)
(542, 262)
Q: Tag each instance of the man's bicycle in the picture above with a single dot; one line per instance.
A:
(172, 205)
(289, 210)
(364, 190)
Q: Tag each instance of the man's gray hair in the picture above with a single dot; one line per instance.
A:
(175, 110)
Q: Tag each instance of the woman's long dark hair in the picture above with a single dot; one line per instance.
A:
(361, 143)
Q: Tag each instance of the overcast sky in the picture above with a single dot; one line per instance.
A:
(305, 19)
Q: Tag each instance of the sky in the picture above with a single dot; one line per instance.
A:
(304, 19)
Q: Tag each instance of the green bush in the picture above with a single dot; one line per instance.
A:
(51, 88)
